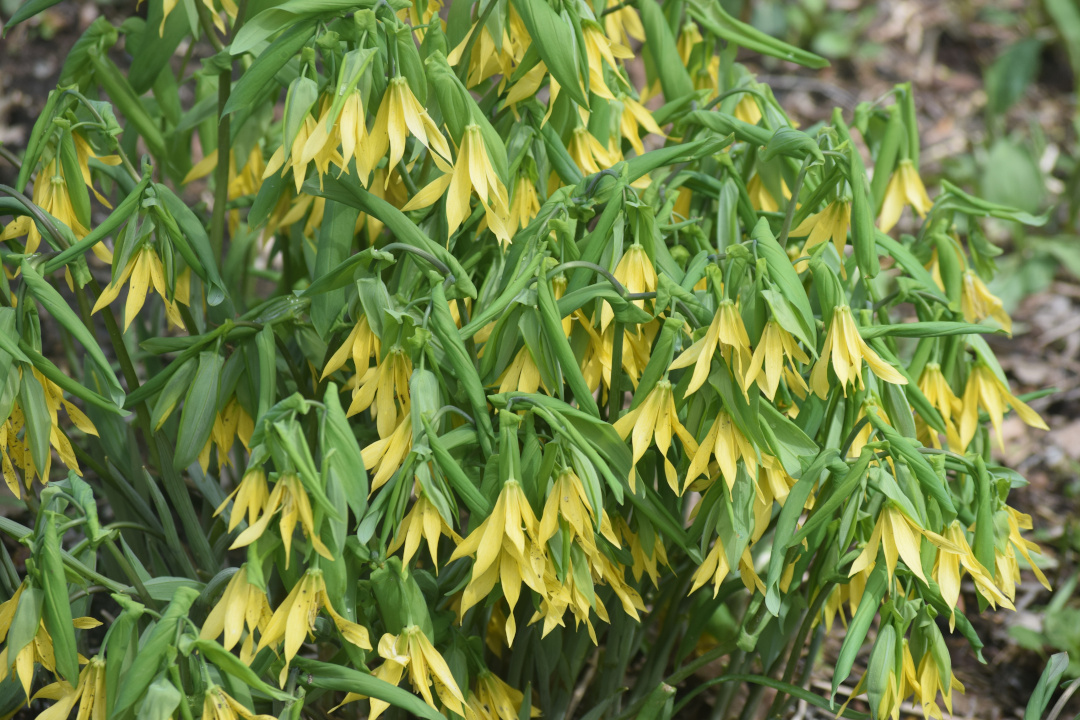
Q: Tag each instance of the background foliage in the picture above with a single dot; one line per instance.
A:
(295, 339)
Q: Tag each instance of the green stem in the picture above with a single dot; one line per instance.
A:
(802, 694)
(781, 700)
(116, 337)
(790, 214)
(133, 576)
(221, 172)
(174, 675)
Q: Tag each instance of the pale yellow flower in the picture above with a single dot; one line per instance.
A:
(726, 333)
(978, 302)
(986, 390)
(905, 188)
(295, 619)
(654, 421)
(847, 350)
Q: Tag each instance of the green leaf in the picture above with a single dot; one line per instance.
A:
(252, 84)
(860, 624)
(59, 309)
(341, 453)
(288, 14)
(343, 679)
(555, 41)
(229, 663)
(660, 45)
(1011, 73)
(28, 10)
(1044, 690)
(153, 652)
(57, 609)
(714, 19)
(925, 329)
(200, 409)
(162, 699)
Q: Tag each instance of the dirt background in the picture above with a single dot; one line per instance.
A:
(944, 48)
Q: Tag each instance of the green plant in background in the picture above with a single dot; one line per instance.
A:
(465, 291)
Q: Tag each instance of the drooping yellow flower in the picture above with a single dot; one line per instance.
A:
(507, 549)
(422, 523)
(621, 22)
(954, 555)
(352, 128)
(400, 114)
(832, 223)
(384, 456)
(521, 374)
(472, 172)
(772, 484)
(487, 57)
(900, 537)
(526, 86)
(599, 50)
(847, 351)
(986, 390)
(51, 195)
(653, 422)
(689, 37)
(728, 445)
(495, 700)
(978, 302)
(412, 650)
(384, 389)
(761, 198)
(715, 568)
(361, 345)
(146, 271)
(936, 388)
(417, 19)
(767, 364)
(241, 606)
(645, 559)
(575, 591)
(727, 334)
(568, 593)
(39, 649)
(291, 499)
(524, 205)
(89, 693)
(930, 684)
(243, 181)
(231, 423)
(249, 498)
(295, 619)
(15, 450)
(851, 594)
(282, 161)
(905, 188)
(227, 5)
(634, 117)
(588, 153)
(219, 705)
(748, 111)
(568, 507)
(83, 153)
(1007, 569)
(596, 362)
(636, 273)
(322, 142)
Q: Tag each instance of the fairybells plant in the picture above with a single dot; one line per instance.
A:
(482, 381)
